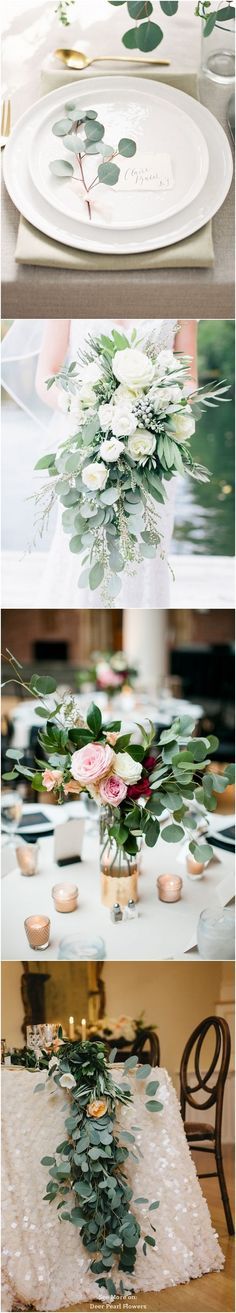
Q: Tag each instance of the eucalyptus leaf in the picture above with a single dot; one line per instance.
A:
(61, 168)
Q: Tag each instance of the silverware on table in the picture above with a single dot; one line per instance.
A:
(5, 122)
(77, 59)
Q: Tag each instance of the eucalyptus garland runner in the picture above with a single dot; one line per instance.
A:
(132, 416)
(87, 1171)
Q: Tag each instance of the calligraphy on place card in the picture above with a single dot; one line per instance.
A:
(146, 173)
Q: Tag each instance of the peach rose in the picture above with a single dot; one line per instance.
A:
(112, 738)
(113, 790)
(72, 786)
(97, 1108)
(51, 778)
(91, 763)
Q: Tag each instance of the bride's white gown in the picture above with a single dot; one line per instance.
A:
(149, 586)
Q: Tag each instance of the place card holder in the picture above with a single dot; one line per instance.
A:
(68, 840)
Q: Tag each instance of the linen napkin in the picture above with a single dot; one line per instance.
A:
(196, 251)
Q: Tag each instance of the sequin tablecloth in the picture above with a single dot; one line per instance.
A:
(44, 1262)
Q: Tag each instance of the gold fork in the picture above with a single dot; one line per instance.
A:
(5, 122)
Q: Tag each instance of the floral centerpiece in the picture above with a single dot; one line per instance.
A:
(108, 673)
(132, 421)
(87, 1173)
(138, 780)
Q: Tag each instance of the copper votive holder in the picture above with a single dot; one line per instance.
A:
(27, 855)
(169, 888)
(65, 897)
(37, 929)
(194, 869)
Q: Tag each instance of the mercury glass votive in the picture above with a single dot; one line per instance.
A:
(37, 929)
(169, 888)
(65, 897)
(27, 855)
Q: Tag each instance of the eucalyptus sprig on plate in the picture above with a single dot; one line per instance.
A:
(132, 425)
(82, 136)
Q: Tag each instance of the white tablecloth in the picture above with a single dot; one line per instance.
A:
(44, 1261)
(160, 931)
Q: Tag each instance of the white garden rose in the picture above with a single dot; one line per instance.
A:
(166, 362)
(87, 395)
(94, 476)
(67, 1081)
(141, 444)
(181, 427)
(127, 769)
(92, 373)
(133, 368)
(111, 449)
(105, 414)
(123, 420)
(162, 398)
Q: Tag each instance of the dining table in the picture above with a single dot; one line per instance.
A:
(158, 931)
(190, 291)
(45, 1265)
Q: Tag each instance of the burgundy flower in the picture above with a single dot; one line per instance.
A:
(149, 763)
(140, 790)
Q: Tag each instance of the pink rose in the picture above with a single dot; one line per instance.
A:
(92, 762)
(51, 778)
(113, 790)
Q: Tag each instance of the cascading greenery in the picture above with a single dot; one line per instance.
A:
(87, 1170)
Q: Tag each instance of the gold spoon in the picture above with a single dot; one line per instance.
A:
(77, 59)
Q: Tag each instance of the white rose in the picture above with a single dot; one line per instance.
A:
(133, 368)
(87, 395)
(141, 445)
(92, 373)
(123, 421)
(165, 362)
(94, 476)
(164, 397)
(111, 449)
(123, 394)
(181, 426)
(105, 416)
(127, 769)
(67, 1081)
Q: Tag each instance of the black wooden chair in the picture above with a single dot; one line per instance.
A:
(148, 1047)
(206, 1090)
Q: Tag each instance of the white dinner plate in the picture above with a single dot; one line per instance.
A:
(64, 230)
(159, 130)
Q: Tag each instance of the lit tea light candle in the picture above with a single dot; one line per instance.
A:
(83, 1029)
(71, 1027)
(27, 857)
(65, 897)
(194, 869)
(169, 888)
(37, 929)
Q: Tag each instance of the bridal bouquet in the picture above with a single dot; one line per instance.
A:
(136, 780)
(87, 1173)
(132, 422)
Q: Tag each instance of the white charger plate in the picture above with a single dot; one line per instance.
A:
(156, 128)
(43, 217)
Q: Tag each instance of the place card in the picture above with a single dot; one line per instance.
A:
(146, 173)
(68, 839)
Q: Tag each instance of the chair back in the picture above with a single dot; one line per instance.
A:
(207, 1087)
(148, 1046)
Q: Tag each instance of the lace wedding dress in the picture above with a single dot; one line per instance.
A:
(45, 1265)
(149, 586)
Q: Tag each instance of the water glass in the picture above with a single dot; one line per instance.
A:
(215, 934)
